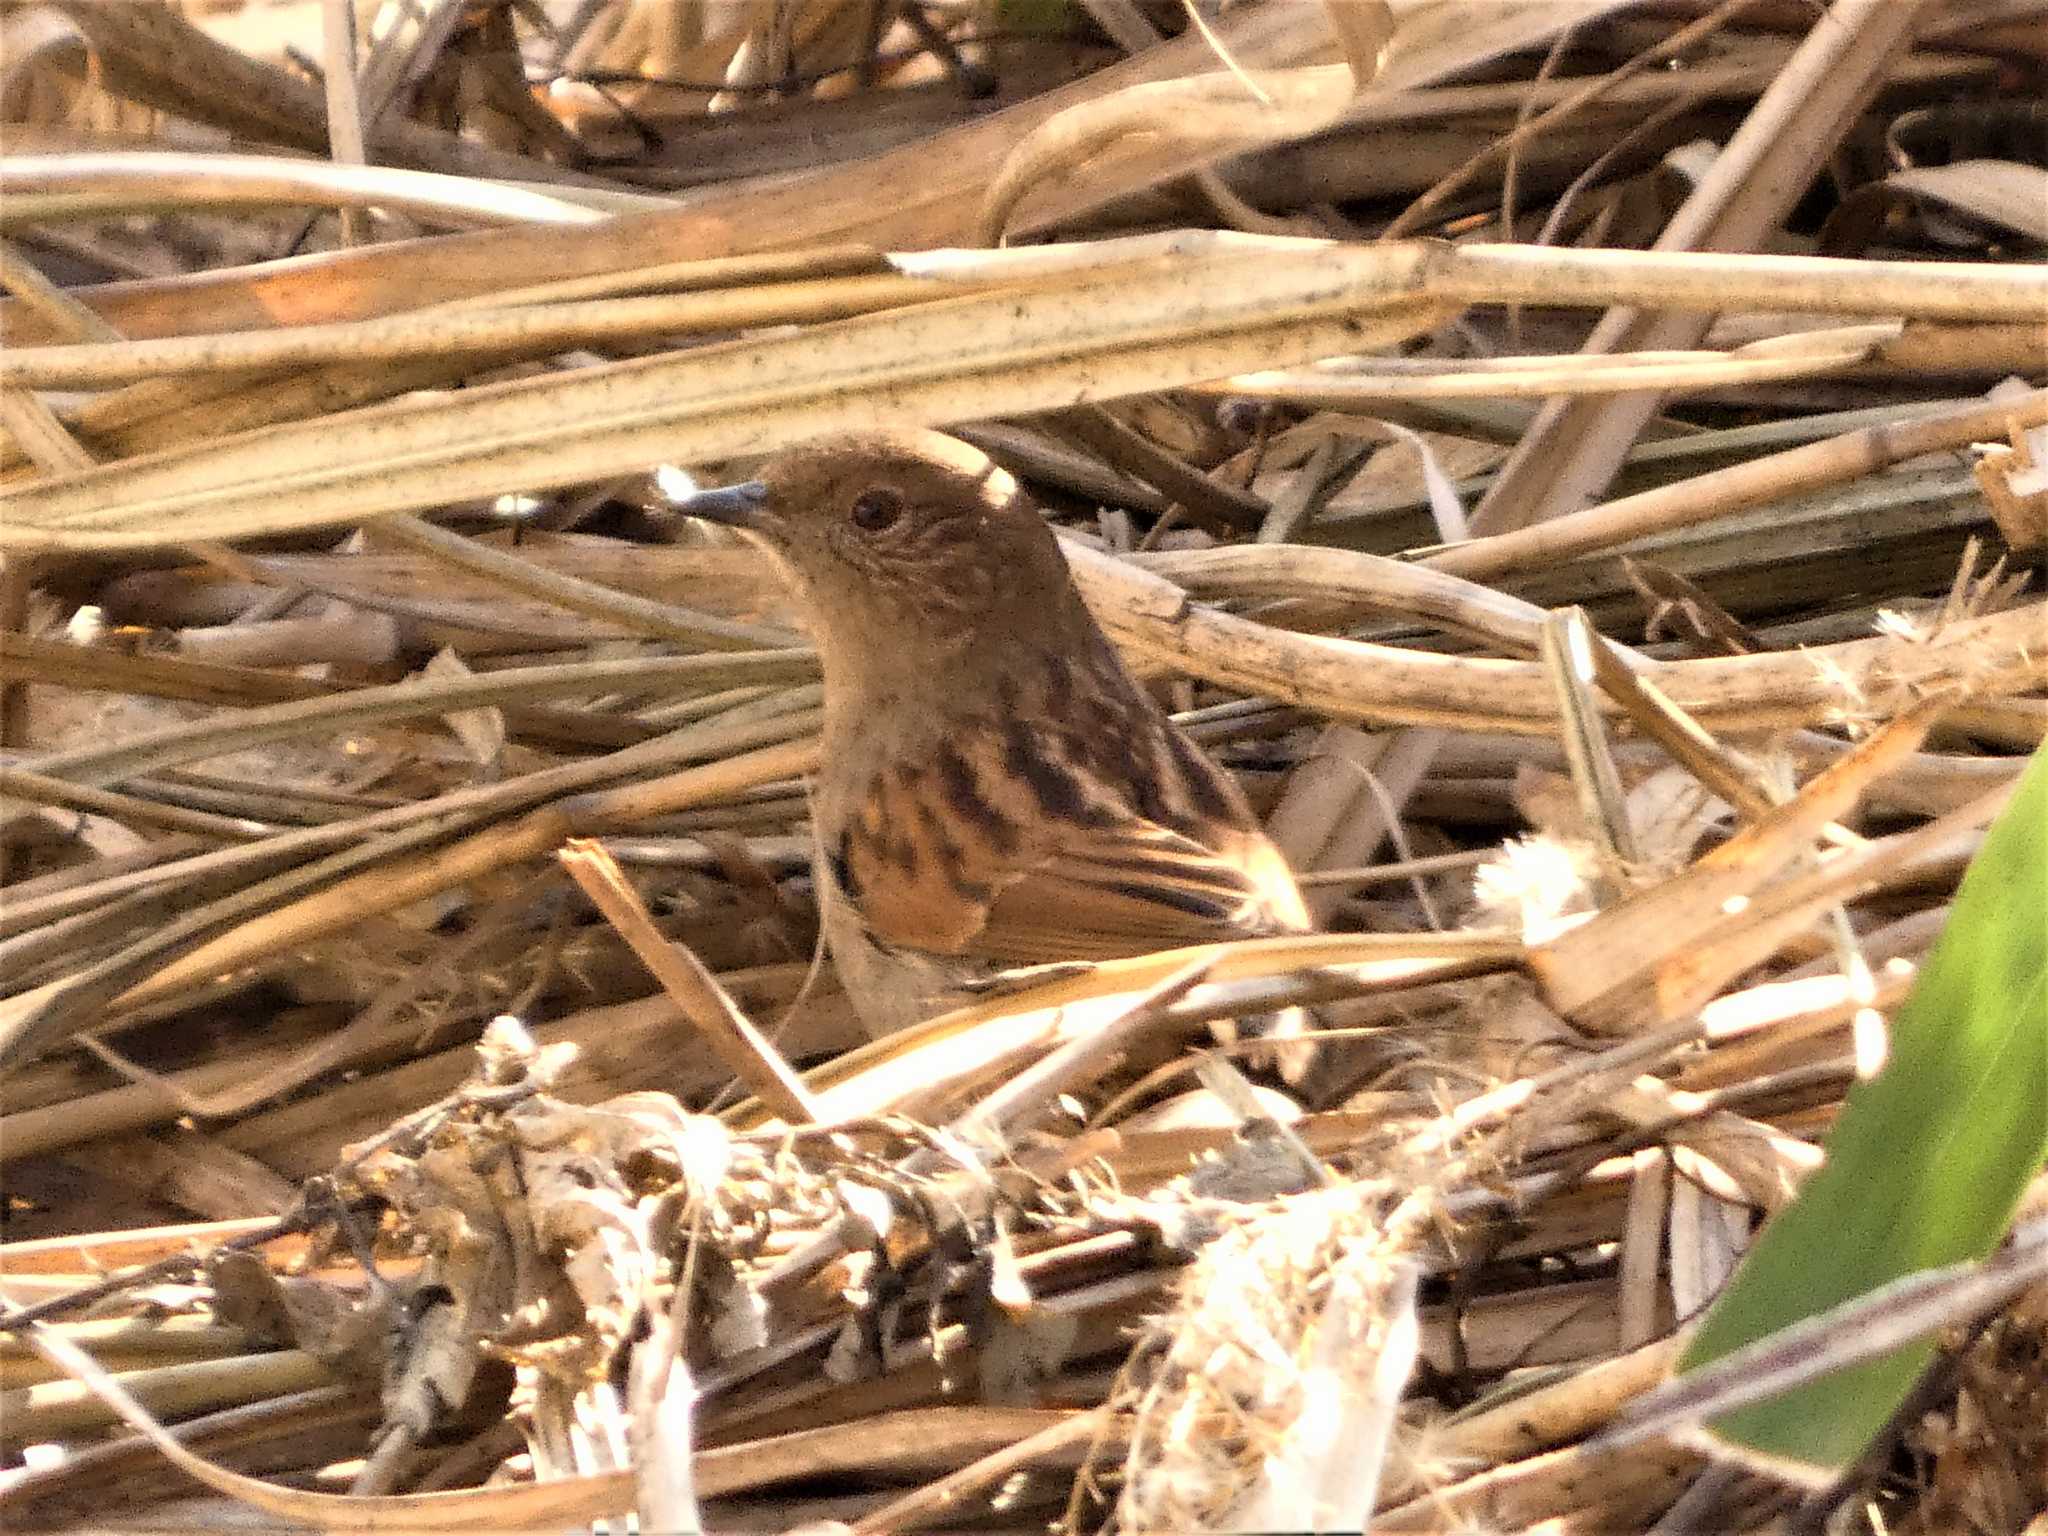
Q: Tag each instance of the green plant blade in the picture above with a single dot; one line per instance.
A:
(1926, 1163)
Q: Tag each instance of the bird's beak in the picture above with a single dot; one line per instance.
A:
(737, 506)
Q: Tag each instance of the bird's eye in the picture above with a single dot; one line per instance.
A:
(874, 510)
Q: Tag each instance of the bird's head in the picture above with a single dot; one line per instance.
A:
(899, 539)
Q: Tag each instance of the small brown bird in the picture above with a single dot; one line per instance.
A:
(996, 792)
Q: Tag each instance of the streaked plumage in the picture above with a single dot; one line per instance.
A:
(996, 791)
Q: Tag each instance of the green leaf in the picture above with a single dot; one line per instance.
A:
(1926, 1163)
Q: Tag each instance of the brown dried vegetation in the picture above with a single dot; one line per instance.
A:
(1577, 462)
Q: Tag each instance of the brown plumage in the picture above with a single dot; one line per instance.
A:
(995, 790)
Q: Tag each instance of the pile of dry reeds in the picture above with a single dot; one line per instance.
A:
(1615, 601)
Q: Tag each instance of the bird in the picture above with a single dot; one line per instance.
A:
(995, 791)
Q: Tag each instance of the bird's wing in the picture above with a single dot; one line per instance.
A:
(992, 876)
(1129, 890)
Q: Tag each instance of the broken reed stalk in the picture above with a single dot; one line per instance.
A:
(683, 977)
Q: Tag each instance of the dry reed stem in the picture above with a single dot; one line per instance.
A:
(1572, 451)
(43, 189)
(692, 988)
(1753, 483)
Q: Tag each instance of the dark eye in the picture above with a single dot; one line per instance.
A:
(876, 509)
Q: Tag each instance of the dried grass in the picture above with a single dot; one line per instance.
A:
(338, 594)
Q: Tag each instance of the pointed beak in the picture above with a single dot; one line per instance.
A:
(737, 506)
